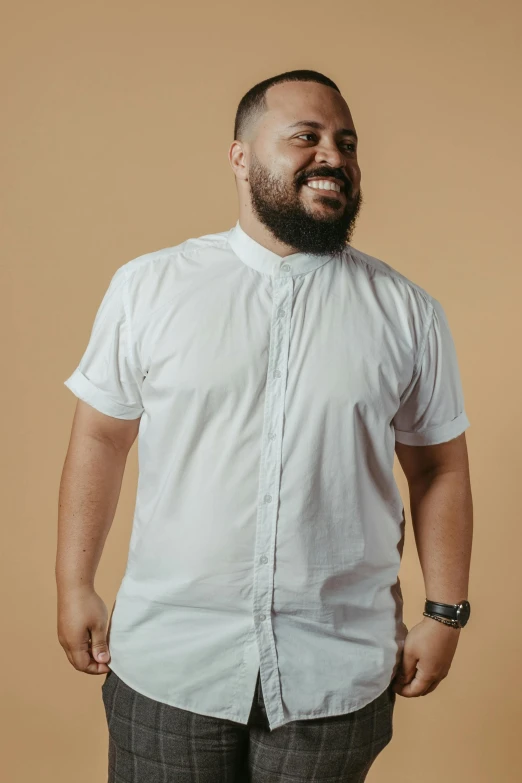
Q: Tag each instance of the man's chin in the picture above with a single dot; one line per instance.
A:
(325, 215)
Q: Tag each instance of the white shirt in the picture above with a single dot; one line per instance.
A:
(268, 527)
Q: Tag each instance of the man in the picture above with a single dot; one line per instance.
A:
(272, 370)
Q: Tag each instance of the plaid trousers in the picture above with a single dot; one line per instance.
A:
(153, 742)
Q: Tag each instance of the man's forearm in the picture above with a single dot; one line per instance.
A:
(88, 496)
(442, 518)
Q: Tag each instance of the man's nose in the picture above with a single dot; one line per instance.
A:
(332, 155)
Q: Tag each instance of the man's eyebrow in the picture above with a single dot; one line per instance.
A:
(314, 124)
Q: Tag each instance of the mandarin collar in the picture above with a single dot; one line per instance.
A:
(263, 260)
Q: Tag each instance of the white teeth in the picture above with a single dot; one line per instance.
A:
(323, 184)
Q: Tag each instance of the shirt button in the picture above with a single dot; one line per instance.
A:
(272, 435)
(277, 374)
(285, 268)
(262, 617)
(280, 312)
(264, 559)
(268, 498)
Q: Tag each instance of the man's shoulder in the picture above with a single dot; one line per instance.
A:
(377, 268)
(165, 256)
(158, 278)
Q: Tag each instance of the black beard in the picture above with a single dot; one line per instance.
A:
(279, 208)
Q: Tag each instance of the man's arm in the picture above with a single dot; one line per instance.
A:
(442, 515)
(88, 496)
(441, 509)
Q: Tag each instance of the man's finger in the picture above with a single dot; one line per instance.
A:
(417, 687)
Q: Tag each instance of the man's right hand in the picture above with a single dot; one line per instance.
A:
(82, 629)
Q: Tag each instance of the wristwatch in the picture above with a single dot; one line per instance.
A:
(456, 615)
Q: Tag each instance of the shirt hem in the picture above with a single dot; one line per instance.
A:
(431, 437)
(348, 709)
(83, 388)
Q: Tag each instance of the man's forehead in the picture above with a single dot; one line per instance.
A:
(289, 102)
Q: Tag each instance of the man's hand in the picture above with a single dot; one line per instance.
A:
(427, 655)
(82, 629)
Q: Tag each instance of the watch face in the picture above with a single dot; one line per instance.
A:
(463, 613)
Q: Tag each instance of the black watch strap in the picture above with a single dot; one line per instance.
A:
(445, 610)
(457, 613)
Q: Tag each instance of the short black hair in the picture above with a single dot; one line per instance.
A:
(253, 103)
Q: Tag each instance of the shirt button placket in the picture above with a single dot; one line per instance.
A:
(269, 479)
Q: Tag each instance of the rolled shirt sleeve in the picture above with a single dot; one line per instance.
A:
(432, 406)
(107, 376)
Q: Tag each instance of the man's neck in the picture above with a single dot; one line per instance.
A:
(260, 233)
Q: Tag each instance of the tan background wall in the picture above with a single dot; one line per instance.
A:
(117, 118)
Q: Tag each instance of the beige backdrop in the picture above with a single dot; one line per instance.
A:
(116, 125)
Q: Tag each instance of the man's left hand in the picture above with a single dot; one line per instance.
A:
(428, 652)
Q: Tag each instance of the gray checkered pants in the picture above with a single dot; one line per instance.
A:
(152, 742)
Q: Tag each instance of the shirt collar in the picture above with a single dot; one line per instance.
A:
(258, 257)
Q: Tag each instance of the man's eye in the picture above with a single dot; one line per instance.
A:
(348, 144)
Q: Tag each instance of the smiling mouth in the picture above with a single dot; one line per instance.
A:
(331, 192)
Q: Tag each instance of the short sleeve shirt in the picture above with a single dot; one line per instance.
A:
(268, 528)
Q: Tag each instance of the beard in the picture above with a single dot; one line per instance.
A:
(278, 206)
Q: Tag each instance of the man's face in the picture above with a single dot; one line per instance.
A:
(283, 159)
